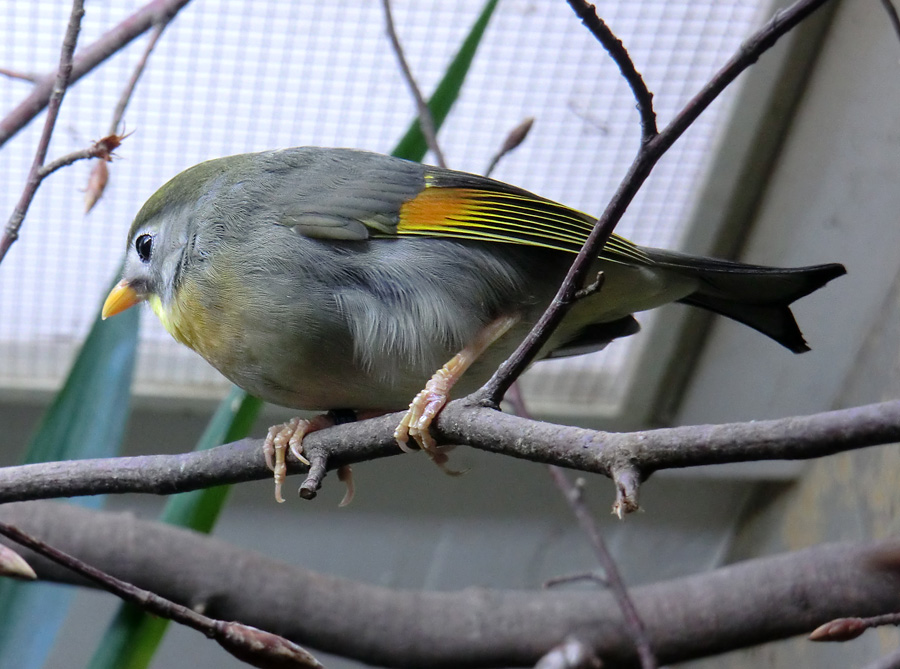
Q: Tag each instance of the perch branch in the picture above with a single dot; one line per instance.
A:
(794, 438)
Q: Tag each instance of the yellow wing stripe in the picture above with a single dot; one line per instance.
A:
(469, 213)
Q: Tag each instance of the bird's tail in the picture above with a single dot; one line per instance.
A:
(754, 295)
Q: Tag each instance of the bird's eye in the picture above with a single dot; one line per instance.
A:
(144, 245)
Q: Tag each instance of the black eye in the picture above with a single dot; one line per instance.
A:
(144, 245)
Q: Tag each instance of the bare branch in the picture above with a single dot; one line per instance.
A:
(99, 176)
(24, 76)
(613, 45)
(426, 122)
(512, 142)
(573, 494)
(11, 233)
(87, 59)
(244, 642)
(795, 438)
(102, 148)
(648, 155)
(125, 98)
(736, 606)
(614, 581)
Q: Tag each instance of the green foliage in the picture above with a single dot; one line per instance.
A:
(86, 420)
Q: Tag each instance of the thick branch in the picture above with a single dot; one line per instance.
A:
(796, 438)
(749, 603)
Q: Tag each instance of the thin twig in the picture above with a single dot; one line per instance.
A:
(513, 140)
(136, 74)
(426, 122)
(845, 629)
(99, 176)
(87, 59)
(102, 148)
(23, 76)
(613, 45)
(242, 641)
(892, 15)
(612, 577)
(11, 233)
(648, 155)
(614, 580)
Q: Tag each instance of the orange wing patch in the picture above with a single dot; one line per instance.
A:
(506, 217)
(435, 209)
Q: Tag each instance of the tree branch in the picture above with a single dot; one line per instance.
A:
(573, 493)
(426, 122)
(636, 454)
(87, 59)
(617, 51)
(740, 605)
(259, 648)
(61, 82)
(649, 153)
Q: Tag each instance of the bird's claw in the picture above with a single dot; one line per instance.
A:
(288, 436)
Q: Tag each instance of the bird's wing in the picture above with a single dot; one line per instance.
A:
(354, 195)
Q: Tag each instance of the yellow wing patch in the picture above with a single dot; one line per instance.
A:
(506, 217)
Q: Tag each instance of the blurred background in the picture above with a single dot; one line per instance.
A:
(792, 166)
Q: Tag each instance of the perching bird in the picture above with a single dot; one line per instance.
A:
(320, 278)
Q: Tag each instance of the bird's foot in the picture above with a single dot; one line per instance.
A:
(289, 436)
(431, 399)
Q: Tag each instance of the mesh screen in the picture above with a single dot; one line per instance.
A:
(231, 77)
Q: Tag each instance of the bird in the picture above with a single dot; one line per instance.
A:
(340, 279)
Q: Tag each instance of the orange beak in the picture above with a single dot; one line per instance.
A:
(120, 298)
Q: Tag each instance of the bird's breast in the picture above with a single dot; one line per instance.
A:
(212, 331)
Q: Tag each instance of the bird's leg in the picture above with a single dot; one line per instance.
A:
(431, 399)
(289, 435)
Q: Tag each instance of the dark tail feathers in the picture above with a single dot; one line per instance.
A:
(751, 294)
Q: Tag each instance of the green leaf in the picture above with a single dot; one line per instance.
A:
(413, 145)
(133, 636)
(86, 420)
